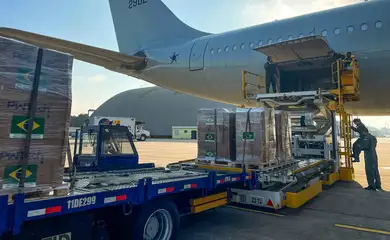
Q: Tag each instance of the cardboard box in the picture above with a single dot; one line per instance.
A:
(216, 134)
(283, 136)
(255, 136)
(51, 123)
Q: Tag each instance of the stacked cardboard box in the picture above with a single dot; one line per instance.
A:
(52, 117)
(255, 136)
(216, 131)
(283, 136)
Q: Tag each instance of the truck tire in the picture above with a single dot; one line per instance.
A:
(156, 220)
(142, 137)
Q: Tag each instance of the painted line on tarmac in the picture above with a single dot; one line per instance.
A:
(363, 229)
(256, 211)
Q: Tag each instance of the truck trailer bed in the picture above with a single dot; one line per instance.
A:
(98, 190)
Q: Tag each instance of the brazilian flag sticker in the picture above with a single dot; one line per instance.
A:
(210, 154)
(210, 137)
(249, 136)
(19, 127)
(209, 121)
(25, 79)
(12, 175)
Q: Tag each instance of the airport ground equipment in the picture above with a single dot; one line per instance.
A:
(334, 80)
(111, 193)
(137, 128)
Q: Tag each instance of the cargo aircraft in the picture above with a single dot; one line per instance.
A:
(166, 52)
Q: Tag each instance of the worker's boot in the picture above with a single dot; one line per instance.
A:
(370, 188)
(355, 158)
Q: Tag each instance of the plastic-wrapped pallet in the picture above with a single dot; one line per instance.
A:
(283, 136)
(52, 117)
(216, 131)
(255, 136)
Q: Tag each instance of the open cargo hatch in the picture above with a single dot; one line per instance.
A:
(297, 49)
(304, 64)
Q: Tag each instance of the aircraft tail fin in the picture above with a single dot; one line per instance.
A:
(142, 24)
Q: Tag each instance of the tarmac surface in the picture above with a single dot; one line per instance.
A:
(341, 212)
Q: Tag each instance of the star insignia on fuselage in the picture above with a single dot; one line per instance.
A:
(174, 57)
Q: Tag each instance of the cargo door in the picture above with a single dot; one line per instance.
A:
(197, 54)
(296, 50)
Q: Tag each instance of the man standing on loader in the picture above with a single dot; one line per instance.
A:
(271, 75)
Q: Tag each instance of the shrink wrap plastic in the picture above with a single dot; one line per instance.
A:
(52, 117)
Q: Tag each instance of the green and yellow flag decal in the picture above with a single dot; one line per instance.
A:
(19, 127)
(12, 175)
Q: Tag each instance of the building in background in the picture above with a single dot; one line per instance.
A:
(184, 132)
(159, 108)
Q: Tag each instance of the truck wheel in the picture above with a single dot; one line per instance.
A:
(142, 137)
(156, 221)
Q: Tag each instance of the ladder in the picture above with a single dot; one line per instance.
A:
(347, 81)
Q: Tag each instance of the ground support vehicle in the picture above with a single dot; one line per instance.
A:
(112, 196)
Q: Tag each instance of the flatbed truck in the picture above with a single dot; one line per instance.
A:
(113, 196)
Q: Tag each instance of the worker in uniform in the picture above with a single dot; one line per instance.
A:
(348, 61)
(271, 74)
(360, 129)
(368, 145)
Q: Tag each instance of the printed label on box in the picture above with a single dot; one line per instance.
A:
(249, 136)
(210, 137)
(12, 175)
(19, 127)
(25, 79)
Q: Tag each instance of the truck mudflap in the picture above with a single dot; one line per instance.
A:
(298, 49)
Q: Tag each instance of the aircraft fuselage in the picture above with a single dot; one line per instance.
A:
(211, 66)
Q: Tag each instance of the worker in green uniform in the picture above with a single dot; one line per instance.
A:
(348, 61)
(360, 129)
(368, 145)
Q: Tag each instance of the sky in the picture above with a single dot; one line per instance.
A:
(89, 22)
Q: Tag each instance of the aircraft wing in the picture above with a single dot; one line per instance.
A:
(298, 49)
(111, 60)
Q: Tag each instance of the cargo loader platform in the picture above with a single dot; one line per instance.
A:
(287, 185)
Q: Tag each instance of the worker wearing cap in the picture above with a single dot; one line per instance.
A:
(271, 73)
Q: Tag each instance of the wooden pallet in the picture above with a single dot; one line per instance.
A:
(259, 166)
(37, 193)
(213, 162)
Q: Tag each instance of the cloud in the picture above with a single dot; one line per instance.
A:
(255, 12)
(97, 78)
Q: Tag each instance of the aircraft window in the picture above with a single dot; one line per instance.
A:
(280, 39)
(251, 45)
(234, 47)
(290, 37)
(364, 27)
(337, 31)
(243, 46)
(269, 41)
(301, 35)
(219, 50)
(350, 29)
(226, 49)
(324, 33)
(378, 24)
(212, 51)
(260, 43)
